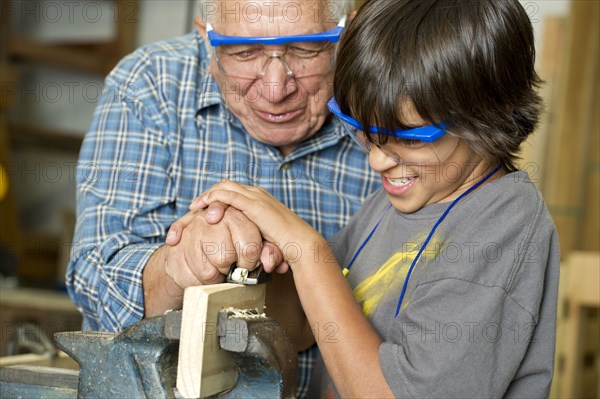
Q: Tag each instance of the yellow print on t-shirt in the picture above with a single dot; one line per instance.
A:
(390, 276)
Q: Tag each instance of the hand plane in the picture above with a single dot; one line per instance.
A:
(238, 275)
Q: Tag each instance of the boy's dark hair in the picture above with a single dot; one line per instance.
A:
(469, 63)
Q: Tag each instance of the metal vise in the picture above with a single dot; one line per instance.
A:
(141, 362)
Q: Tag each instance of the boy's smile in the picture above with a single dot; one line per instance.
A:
(398, 186)
(410, 187)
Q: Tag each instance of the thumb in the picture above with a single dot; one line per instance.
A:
(215, 212)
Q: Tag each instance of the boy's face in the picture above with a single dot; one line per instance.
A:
(412, 185)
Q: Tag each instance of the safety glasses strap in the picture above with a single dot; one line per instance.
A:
(332, 35)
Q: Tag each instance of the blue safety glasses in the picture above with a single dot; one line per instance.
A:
(301, 56)
(332, 35)
(426, 134)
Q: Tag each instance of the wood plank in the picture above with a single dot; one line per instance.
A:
(11, 227)
(127, 30)
(36, 299)
(569, 139)
(534, 150)
(62, 361)
(24, 133)
(204, 369)
(70, 56)
(583, 290)
(590, 230)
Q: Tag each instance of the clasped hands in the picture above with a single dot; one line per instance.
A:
(231, 223)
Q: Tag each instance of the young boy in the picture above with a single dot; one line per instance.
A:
(449, 273)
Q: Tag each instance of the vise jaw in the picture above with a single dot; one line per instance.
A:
(141, 361)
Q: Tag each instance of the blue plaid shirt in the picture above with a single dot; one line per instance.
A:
(160, 136)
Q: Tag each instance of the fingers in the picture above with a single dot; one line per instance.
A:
(176, 229)
(215, 212)
(203, 253)
(272, 259)
(248, 213)
(213, 248)
(276, 222)
(245, 237)
(177, 267)
(197, 202)
(283, 268)
(233, 189)
(270, 256)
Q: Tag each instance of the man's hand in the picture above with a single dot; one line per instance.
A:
(200, 248)
(166, 275)
(213, 215)
(205, 252)
(202, 253)
(270, 255)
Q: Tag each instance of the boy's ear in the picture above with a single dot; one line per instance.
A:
(201, 26)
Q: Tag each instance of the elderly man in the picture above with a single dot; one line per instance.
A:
(243, 98)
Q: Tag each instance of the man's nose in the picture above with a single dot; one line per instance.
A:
(278, 79)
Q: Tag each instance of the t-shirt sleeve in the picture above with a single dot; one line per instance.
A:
(456, 338)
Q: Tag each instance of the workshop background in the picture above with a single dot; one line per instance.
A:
(54, 55)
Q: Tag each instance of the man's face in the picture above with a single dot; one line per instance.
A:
(275, 108)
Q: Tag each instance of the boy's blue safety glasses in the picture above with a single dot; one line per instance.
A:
(426, 134)
(332, 35)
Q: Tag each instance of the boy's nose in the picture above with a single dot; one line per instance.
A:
(379, 160)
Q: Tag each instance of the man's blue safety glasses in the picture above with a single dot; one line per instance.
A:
(426, 134)
(332, 35)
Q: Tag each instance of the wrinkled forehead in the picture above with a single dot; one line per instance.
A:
(269, 17)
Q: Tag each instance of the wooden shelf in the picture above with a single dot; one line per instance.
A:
(84, 58)
(20, 129)
(40, 136)
(97, 58)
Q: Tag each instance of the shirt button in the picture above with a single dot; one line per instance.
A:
(285, 166)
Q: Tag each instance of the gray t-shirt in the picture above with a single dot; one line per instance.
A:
(479, 314)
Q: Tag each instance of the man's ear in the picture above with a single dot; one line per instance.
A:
(201, 26)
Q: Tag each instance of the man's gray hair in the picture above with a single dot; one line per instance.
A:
(332, 10)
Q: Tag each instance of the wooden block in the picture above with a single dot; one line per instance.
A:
(62, 361)
(43, 300)
(204, 369)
